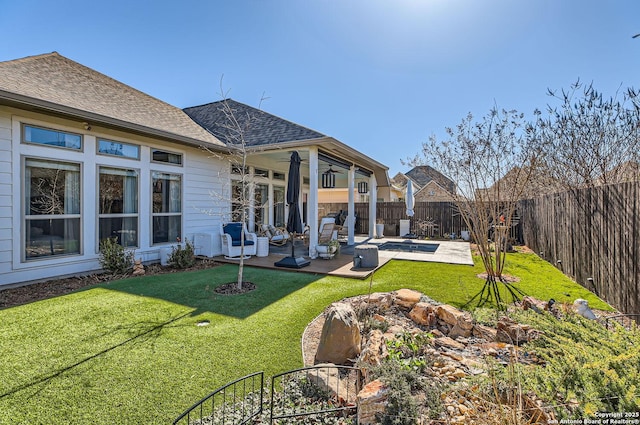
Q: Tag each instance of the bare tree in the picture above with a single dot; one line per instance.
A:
(590, 140)
(491, 162)
(234, 131)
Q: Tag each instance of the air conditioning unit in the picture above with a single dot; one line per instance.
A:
(207, 244)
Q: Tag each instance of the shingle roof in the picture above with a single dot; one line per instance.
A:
(260, 128)
(57, 80)
(423, 174)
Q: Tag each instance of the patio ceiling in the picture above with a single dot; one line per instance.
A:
(331, 153)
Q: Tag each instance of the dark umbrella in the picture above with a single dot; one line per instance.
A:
(294, 222)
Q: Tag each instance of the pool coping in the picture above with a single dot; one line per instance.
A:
(450, 252)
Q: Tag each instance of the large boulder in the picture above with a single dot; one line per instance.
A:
(340, 339)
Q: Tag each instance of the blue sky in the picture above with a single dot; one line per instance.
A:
(379, 75)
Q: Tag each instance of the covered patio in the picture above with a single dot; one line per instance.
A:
(268, 142)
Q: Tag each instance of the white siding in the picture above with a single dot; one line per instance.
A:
(200, 175)
(6, 204)
(205, 187)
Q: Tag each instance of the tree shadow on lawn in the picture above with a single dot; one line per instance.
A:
(197, 289)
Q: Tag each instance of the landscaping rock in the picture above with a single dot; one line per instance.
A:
(372, 400)
(448, 314)
(582, 308)
(463, 327)
(340, 338)
(447, 342)
(328, 379)
(512, 332)
(407, 298)
(484, 332)
(138, 268)
(379, 299)
(372, 352)
(423, 314)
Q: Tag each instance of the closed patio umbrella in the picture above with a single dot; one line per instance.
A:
(294, 222)
(409, 199)
(410, 204)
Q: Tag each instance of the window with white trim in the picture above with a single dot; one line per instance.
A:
(48, 137)
(52, 219)
(119, 149)
(166, 207)
(118, 205)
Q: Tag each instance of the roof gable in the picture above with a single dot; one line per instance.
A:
(423, 174)
(56, 80)
(259, 128)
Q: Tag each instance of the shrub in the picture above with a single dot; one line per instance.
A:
(587, 368)
(114, 258)
(403, 383)
(182, 258)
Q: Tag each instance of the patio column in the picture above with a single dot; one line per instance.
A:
(313, 201)
(373, 201)
(351, 217)
(251, 187)
(270, 206)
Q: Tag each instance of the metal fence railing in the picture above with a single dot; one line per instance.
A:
(315, 390)
(235, 403)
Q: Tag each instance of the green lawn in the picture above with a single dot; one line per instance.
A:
(130, 351)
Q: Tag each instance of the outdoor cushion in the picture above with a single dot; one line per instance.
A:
(239, 242)
(235, 231)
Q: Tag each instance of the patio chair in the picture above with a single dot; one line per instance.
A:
(278, 236)
(327, 234)
(231, 234)
(330, 220)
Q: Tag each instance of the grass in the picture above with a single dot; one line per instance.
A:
(130, 351)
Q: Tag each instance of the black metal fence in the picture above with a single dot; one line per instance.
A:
(319, 391)
(236, 403)
(315, 390)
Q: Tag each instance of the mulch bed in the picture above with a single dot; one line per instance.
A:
(231, 288)
(12, 297)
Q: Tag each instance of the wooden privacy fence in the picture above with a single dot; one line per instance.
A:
(593, 236)
(443, 214)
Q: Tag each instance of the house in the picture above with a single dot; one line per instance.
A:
(85, 157)
(429, 185)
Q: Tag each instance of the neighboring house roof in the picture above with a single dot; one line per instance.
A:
(259, 128)
(53, 83)
(423, 174)
(430, 186)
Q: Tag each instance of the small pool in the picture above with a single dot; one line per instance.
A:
(428, 248)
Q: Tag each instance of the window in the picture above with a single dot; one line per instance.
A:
(118, 205)
(279, 219)
(278, 176)
(45, 136)
(239, 201)
(166, 157)
(237, 169)
(125, 150)
(51, 208)
(258, 172)
(166, 207)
